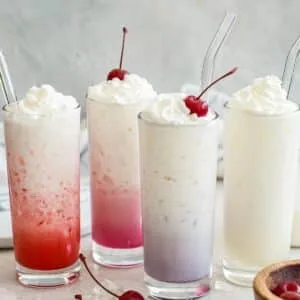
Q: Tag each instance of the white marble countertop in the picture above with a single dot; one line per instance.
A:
(125, 278)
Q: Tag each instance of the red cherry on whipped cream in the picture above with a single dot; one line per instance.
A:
(119, 72)
(198, 106)
(128, 295)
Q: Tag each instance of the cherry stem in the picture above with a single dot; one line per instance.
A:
(83, 260)
(217, 80)
(78, 297)
(123, 44)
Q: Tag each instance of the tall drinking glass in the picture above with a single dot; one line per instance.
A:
(178, 176)
(43, 175)
(115, 182)
(261, 161)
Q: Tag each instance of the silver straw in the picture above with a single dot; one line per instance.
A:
(290, 63)
(213, 50)
(6, 83)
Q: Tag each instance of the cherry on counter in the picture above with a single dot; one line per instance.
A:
(128, 295)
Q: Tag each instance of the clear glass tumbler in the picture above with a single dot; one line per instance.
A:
(115, 183)
(261, 162)
(178, 177)
(43, 175)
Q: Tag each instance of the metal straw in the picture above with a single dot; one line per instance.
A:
(290, 63)
(213, 50)
(6, 83)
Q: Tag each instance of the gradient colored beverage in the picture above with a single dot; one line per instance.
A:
(114, 166)
(112, 109)
(178, 183)
(116, 217)
(43, 173)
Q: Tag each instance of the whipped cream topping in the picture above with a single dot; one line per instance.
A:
(171, 109)
(43, 100)
(130, 90)
(264, 96)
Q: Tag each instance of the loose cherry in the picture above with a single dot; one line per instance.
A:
(290, 296)
(119, 72)
(198, 106)
(286, 286)
(128, 295)
(132, 295)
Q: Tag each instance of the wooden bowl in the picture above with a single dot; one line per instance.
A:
(269, 277)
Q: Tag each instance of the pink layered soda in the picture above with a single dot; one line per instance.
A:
(42, 143)
(116, 215)
(114, 164)
(112, 109)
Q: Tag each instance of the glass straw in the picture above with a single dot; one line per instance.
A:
(6, 83)
(290, 63)
(213, 50)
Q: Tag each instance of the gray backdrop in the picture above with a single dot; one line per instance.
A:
(73, 43)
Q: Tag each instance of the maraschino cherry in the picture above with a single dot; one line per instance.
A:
(198, 106)
(128, 295)
(119, 72)
(286, 286)
(290, 296)
(287, 290)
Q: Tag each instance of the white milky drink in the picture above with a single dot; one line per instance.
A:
(295, 243)
(178, 176)
(261, 153)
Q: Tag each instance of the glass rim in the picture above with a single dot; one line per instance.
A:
(204, 124)
(112, 103)
(36, 114)
(262, 115)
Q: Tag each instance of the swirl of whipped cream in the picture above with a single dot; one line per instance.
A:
(44, 100)
(130, 90)
(264, 96)
(171, 109)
